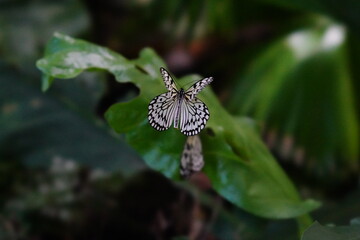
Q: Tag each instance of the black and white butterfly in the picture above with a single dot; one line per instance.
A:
(179, 107)
(192, 160)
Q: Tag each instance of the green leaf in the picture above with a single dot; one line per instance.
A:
(239, 166)
(318, 232)
(37, 128)
(305, 99)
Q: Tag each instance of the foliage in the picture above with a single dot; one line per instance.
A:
(35, 128)
(237, 163)
(315, 125)
(318, 232)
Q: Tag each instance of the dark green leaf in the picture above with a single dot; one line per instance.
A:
(305, 98)
(318, 232)
(36, 128)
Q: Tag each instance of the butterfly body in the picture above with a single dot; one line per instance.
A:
(180, 107)
(180, 99)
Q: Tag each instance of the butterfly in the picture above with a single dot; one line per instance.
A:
(192, 159)
(180, 107)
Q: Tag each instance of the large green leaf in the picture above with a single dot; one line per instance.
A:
(305, 98)
(239, 166)
(318, 232)
(37, 128)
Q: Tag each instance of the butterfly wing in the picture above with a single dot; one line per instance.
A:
(197, 87)
(169, 82)
(192, 159)
(162, 110)
(193, 116)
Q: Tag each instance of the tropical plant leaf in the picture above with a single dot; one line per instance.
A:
(318, 232)
(305, 100)
(37, 128)
(239, 166)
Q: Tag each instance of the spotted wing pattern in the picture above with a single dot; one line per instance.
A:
(181, 106)
(162, 110)
(197, 87)
(193, 116)
(169, 82)
(192, 159)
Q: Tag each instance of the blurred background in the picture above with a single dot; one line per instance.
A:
(291, 66)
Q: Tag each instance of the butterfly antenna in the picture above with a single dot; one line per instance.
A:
(176, 84)
(186, 86)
